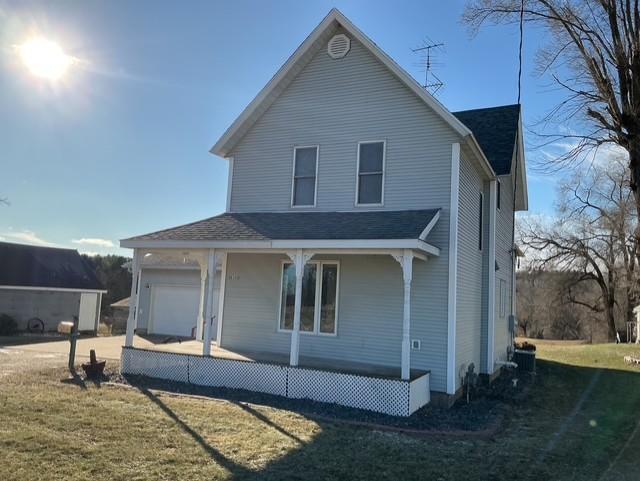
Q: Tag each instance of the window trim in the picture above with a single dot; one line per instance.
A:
(293, 176)
(384, 168)
(498, 193)
(481, 222)
(318, 300)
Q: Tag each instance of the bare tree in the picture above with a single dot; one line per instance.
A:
(593, 54)
(592, 236)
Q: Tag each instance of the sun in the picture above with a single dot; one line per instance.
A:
(44, 58)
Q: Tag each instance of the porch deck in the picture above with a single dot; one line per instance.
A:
(350, 384)
(193, 347)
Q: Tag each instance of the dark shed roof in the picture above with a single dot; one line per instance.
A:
(495, 130)
(34, 266)
(405, 224)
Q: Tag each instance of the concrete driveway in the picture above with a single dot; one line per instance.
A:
(25, 353)
(105, 347)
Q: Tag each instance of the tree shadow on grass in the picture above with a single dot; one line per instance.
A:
(234, 468)
(577, 423)
(248, 409)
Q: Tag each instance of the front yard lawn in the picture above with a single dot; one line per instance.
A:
(579, 422)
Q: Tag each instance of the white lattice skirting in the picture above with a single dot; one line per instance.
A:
(383, 395)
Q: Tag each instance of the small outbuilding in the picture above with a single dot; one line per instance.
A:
(48, 284)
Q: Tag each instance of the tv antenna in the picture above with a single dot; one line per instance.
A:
(432, 82)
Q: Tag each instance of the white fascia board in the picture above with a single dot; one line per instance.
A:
(53, 289)
(429, 248)
(484, 162)
(425, 232)
(522, 203)
(223, 147)
(190, 244)
(229, 183)
(283, 245)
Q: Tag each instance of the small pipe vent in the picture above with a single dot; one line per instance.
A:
(338, 46)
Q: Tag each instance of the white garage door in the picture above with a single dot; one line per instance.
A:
(174, 310)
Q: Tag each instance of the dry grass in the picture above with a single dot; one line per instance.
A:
(59, 430)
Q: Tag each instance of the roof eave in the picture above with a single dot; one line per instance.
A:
(477, 150)
(224, 145)
(285, 244)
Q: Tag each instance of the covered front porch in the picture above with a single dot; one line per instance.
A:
(273, 297)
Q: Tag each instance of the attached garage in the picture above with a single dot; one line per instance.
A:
(174, 310)
(41, 286)
(169, 302)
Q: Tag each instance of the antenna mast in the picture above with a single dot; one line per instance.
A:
(431, 81)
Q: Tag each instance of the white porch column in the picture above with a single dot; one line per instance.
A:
(203, 261)
(212, 307)
(132, 320)
(299, 258)
(406, 262)
(491, 281)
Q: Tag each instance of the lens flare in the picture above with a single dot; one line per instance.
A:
(45, 58)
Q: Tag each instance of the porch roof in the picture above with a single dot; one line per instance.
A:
(303, 226)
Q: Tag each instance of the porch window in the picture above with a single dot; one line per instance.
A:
(305, 168)
(319, 307)
(370, 173)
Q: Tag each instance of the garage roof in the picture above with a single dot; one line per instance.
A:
(41, 267)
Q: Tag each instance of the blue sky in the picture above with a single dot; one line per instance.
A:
(120, 145)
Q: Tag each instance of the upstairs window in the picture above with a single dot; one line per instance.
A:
(370, 184)
(305, 170)
(498, 194)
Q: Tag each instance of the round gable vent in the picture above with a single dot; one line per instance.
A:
(338, 46)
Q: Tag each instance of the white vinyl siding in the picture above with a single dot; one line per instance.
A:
(336, 104)
(504, 223)
(370, 180)
(369, 327)
(480, 216)
(470, 281)
(503, 297)
(305, 176)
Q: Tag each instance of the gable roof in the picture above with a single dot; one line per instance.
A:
(35, 266)
(495, 129)
(303, 54)
(265, 226)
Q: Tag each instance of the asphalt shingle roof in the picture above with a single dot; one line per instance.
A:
(35, 266)
(405, 224)
(495, 130)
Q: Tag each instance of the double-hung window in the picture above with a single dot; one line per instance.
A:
(319, 306)
(370, 183)
(305, 170)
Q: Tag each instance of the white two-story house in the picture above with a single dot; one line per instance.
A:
(366, 254)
